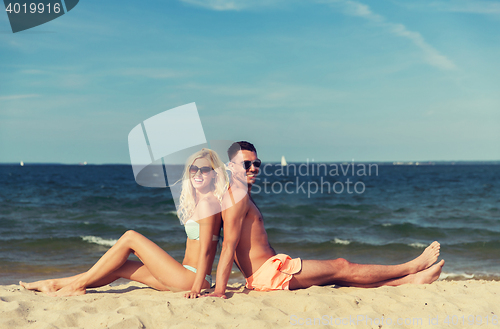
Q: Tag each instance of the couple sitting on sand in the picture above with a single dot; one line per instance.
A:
(205, 203)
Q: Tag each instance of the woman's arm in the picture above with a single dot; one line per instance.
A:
(210, 213)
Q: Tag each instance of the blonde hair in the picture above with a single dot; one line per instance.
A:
(219, 184)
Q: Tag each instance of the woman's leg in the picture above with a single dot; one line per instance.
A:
(131, 270)
(158, 269)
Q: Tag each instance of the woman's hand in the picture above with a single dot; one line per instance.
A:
(214, 294)
(192, 295)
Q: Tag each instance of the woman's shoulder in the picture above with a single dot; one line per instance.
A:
(209, 199)
(208, 205)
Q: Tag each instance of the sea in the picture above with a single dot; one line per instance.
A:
(57, 220)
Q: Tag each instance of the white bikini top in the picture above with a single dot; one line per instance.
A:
(193, 230)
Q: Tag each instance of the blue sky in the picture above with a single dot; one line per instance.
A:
(325, 80)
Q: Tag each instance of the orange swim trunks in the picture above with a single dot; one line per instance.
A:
(275, 273)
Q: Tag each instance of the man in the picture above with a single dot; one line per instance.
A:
(245, 241)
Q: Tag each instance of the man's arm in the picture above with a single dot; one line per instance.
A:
(233, 219)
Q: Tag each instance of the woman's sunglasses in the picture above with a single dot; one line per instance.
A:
(193, 170)
(248, 164)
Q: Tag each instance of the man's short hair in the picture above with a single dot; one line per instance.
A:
(240, 146)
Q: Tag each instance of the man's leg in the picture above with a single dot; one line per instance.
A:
(423, 277)
(322, 272)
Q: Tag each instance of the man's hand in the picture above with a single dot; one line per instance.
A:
(192, 295)
(216, 294)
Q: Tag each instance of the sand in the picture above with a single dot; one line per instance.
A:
(443, 304)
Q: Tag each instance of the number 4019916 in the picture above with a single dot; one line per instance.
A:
(33, 8)
(471, 320)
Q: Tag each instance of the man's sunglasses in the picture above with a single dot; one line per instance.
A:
(248, 164)
(193, 170)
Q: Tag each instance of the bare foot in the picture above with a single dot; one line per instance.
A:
(429, 275)
(69, 290)
(45, 286)
(427, 258)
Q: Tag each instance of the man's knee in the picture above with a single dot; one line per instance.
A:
(340, 263)
(341, 267)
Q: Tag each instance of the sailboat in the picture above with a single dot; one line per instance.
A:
(283, 161)
(22, 163)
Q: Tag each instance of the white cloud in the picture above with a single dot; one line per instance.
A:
(216, 4)
(16, 97)
(223, 5)
(353, 8)
(467, 6)
(33, 72)
(272, 95)
(151, 73)
(431, 55)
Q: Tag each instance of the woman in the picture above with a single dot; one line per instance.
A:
(204, 183)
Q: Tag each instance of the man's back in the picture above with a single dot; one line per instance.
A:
(253, 248)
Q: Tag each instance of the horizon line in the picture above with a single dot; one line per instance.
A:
(385, 162)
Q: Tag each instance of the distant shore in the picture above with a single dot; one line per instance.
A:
(380, 163)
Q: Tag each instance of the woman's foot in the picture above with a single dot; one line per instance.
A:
(46, 286)
(69, 290)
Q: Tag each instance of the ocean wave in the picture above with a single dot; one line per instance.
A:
(417, 245)
(99, 240)
(452, 276)
(455, 276)
(340, 241)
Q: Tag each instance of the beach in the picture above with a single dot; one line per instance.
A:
(443, 304)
